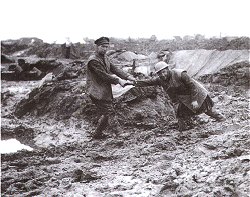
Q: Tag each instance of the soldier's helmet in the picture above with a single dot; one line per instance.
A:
(160, 66)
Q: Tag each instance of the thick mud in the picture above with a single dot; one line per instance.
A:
(150, 157)
(145, 160)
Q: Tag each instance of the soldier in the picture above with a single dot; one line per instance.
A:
(99, 80)
(189, 97)
(165, 55)
(22, 68)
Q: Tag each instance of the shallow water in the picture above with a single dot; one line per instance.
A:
(12, 145)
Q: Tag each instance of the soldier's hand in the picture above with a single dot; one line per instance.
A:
(138, 83)
(131, 78)
(122, 82)
(195, 105)
(129, 82)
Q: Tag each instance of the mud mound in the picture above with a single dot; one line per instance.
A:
(37, 48)
(64, 99)
(236, 74)
(61, 69)
(5, 59)
(51, 100)
(22, 41)
(10, 47)
(23, 134)
(46, 50)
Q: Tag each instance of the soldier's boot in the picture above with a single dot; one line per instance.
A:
(190, 122)
(101, 125)
(117, 130)
(185, 124)
(181, 124)
(216, 115)
(115, 127)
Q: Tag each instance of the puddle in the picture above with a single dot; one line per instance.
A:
(12, 145)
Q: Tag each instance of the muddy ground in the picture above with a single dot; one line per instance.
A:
(150, 158)
(210, 160)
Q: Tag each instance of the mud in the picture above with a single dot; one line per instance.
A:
(149, 158)
(212, 159)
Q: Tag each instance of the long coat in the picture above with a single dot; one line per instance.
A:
(100, 77)
(180, 87)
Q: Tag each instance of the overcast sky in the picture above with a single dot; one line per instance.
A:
(54, 20)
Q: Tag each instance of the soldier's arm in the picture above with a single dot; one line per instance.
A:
(148, 82)
(119, 72)
(98, 69)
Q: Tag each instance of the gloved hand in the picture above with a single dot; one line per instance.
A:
(195, 105)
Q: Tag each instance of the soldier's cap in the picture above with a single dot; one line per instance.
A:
(159, 55)
(162, 53)
(102, 40)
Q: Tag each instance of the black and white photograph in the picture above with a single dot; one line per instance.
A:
(125, 98)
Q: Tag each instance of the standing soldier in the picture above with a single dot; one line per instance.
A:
(99, 80)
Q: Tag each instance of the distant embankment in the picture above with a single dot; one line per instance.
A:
(201, 62)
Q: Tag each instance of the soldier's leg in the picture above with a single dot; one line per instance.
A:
(108, 118)
(215, 114)
(103, 120)
(184, 117)
(185, 123)
(181, 124)
(114, 125)
(101, 126)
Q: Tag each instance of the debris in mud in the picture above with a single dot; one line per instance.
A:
(84, 176)
(149, 158)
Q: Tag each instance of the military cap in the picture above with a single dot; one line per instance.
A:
(162, 53)
(102, 40)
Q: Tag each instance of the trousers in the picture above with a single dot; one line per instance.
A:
(184, 114)
(108, 116)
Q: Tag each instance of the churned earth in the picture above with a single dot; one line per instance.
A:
(149, 158)
(212, 159)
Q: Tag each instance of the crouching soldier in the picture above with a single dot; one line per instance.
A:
(22, 68)
(99, 79)
(189, 97)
